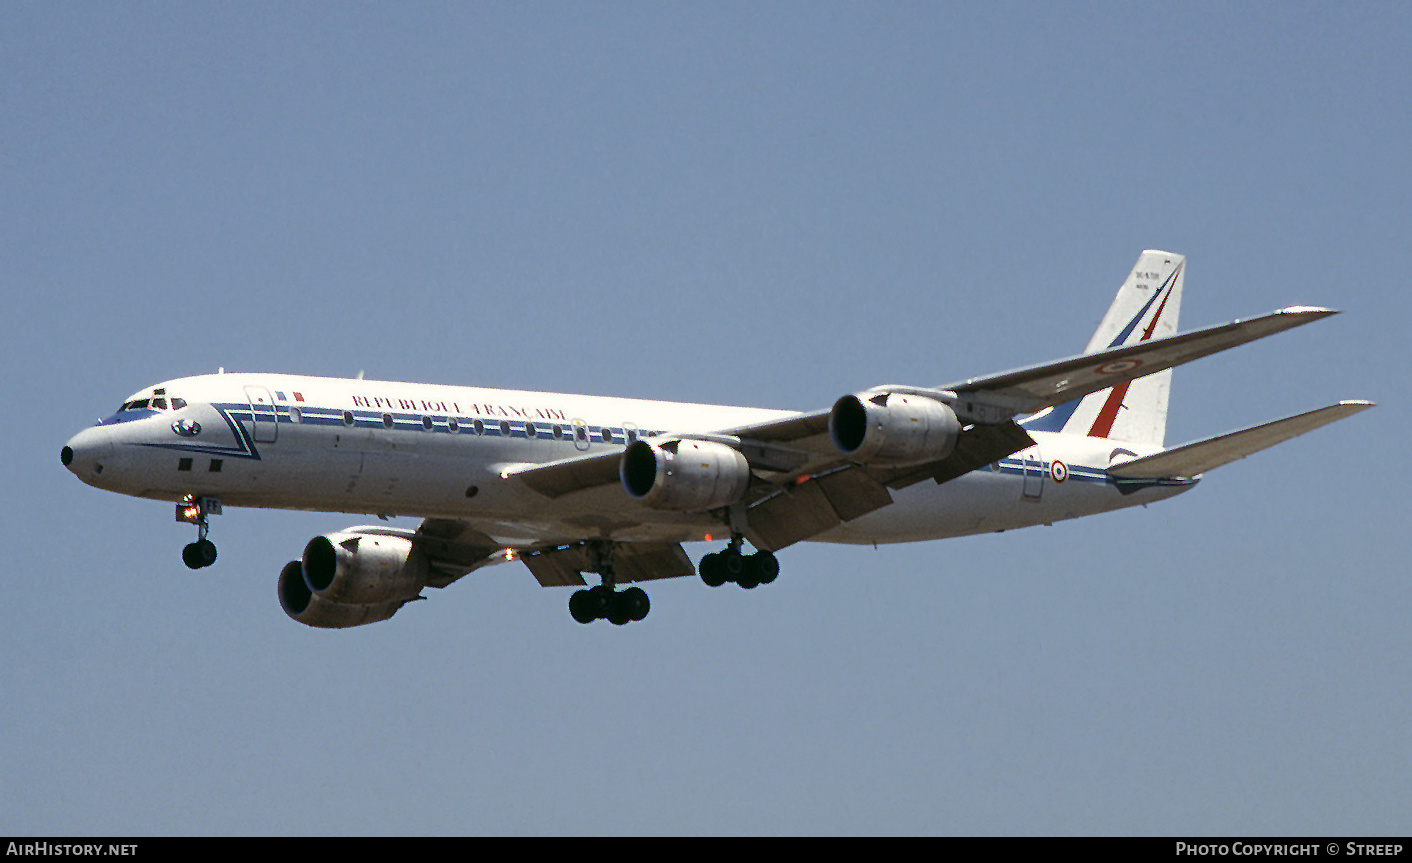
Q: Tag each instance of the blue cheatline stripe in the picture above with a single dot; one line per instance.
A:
(245, 446)
(1085, 473)
(236, 412)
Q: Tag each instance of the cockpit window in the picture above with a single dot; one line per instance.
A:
(158, 403)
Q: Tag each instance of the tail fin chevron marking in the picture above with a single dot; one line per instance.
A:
(1103, 426)
(1146, 307)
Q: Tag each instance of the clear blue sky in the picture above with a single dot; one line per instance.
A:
(758, 204)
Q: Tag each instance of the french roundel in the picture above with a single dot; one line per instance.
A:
(1058, 471)
(1118, 366)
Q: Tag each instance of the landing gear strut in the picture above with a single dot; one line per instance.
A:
(746, 570)
(202, 552)
(592, 603)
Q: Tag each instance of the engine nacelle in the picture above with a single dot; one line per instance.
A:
(348, 579)
(893, 429)
(363, 569)
(684, 474)
(310, 609)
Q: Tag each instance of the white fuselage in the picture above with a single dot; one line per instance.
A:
(355, 446)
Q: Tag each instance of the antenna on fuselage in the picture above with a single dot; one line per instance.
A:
(360, 374)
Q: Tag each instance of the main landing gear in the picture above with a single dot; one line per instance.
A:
(593, 603)
(746, 570)
(202, 552)
(620, 607)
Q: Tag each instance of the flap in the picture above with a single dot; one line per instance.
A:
(454, 549)
(806, 509)
(632, 561)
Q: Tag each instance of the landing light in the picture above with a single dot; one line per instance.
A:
(191, 510)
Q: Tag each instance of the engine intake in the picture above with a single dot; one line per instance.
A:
(893, 429)
(684, 475)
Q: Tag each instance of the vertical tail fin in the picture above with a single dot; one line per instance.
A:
(1146, 307)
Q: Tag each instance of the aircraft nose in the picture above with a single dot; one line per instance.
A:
(85, 452)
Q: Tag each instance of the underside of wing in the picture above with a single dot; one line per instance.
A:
(811, 505)
(559, 478)
(632, 561)
(453, 549)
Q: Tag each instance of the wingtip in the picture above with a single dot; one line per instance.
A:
(1308, 311)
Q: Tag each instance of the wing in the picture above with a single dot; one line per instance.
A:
(632, 561)
(995, 398)
(805, 486)
(452, 548)
(455, 548)
(799, 446)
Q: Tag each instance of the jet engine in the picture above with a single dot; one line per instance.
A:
(349, 579)
(893, 429)
(684, 474)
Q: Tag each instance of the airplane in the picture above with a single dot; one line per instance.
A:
(612, 487)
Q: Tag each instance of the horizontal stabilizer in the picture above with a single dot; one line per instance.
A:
(1195, 458)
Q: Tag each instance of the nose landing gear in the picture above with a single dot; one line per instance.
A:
(193, 510)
